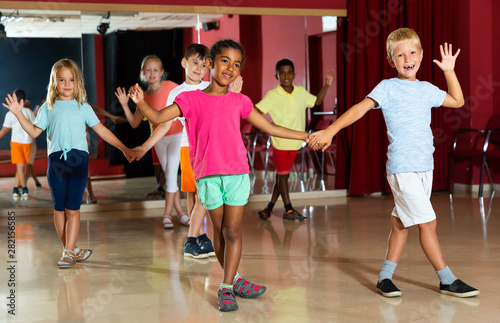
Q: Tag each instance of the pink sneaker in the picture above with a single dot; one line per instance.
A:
(246, 289)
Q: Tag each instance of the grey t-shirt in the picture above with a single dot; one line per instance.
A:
(406, 106)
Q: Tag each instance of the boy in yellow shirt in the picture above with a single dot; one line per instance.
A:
(286, 105)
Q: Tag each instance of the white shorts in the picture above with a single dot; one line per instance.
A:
(412, 196)
(168, 150)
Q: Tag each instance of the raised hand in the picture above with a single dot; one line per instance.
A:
(122, 96)
(237, 85)
(12, 104)
(447, 58)
(135, 93)
(330, 75)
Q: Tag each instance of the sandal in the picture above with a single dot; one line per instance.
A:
(226, 300)
(184, 219)
(67, 259)
(246, 289)
(167, 222)
(82, 255)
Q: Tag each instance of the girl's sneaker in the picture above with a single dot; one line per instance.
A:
(246, 289)
(24, 192)
(226, 300)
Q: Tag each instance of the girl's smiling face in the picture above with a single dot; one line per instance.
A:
(152, 71)
(226, 65)
(65, 85)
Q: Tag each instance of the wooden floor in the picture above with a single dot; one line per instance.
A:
(321, 271)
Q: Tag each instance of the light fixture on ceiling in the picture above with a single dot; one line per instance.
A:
(104, 24)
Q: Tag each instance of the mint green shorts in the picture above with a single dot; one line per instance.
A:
(216, 190)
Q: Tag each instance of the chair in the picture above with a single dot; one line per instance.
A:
(475, 143)
(331, 152)
(256, 142)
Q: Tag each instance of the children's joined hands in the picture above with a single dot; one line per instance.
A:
(447, 58)
(319, 140)
(140, 151)
(136, 93)
(129, 154)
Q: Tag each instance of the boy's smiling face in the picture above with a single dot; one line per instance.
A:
(406, 58)
(195, 67)
(285, 75)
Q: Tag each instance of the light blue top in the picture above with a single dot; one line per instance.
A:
(66, 125)
(406, 106)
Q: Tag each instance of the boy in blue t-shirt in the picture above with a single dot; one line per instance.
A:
(406, 105)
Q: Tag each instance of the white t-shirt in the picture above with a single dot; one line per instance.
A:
(18, 133)
(184, 87)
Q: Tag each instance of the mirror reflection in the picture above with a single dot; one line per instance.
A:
(96, 39)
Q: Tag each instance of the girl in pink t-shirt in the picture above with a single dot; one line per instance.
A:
(218, 157)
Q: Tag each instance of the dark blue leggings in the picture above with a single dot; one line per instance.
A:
(67, 178)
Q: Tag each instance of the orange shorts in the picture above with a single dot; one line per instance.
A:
(20, 153)
(188, 183)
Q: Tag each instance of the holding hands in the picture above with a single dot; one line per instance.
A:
(136, 93)
(319, 140)
(447, 58)
(129, 154)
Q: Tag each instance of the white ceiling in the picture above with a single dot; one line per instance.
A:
(71, 24)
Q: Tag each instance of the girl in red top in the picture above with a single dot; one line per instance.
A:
(168, 148)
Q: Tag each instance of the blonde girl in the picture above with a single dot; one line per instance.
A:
(65, 116)
(167, 149)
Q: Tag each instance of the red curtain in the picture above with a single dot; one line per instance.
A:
(362, 64)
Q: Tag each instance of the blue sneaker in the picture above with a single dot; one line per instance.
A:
(194, 250)
(24, 192)
(15, 192)
(206, 246)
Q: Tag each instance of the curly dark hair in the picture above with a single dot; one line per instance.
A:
(222, 44)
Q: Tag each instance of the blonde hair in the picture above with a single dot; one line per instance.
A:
(401, 35)
(144, 60)
(79, 89)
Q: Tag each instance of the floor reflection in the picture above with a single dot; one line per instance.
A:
(321, 271)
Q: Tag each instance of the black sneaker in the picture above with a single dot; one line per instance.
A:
(458, 289)
(293, 215)
(194, 250)
(264, 214)
(387, 288)
(206, 247)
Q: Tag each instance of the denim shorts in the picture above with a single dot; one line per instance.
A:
(67, 178)
(217, 190)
